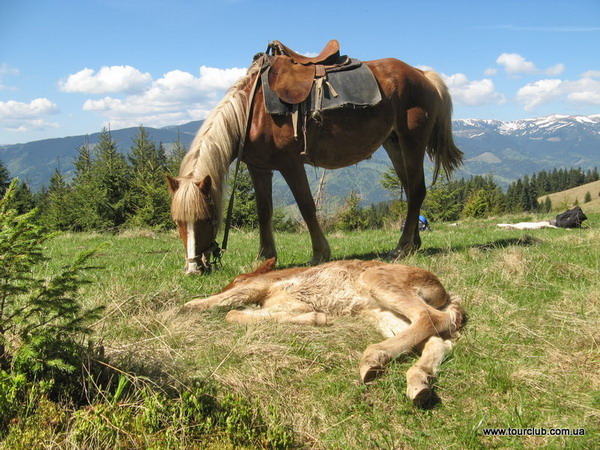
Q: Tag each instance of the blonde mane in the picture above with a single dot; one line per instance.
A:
(211, 153)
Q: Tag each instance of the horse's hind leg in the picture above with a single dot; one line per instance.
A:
(295, 176)
(407, 159)
(263, 188)
(420, 376)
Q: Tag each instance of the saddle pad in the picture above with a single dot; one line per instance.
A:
(356, 88)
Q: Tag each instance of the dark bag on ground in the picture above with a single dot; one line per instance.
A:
(572, 218)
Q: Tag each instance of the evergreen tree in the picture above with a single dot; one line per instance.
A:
(41, 321)
(352, 216)
(86, 194)
(24, 200)
(244, 213)
(443, 202)
(175, 156)
(547, 206)
(149, 198)
(390, 182)
(4, 178)
(58, 213)
(479, 204)
(588, 197)
(112, 177)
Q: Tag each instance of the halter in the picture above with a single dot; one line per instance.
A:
(212, 256)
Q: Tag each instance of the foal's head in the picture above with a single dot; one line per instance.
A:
(193, 210)
(267, 266)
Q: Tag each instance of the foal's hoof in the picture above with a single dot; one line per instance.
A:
(368, 373)
(199, 304)
(422, 397)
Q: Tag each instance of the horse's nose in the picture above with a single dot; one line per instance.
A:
(192, 268)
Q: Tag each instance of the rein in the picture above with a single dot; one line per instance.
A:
(214, 250)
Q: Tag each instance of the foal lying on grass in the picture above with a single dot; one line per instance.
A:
(410, 306)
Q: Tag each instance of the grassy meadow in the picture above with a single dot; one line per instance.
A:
(529, 355)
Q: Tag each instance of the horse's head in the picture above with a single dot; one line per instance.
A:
(193, 210)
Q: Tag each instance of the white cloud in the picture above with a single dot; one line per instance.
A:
(583, 92)
(472, 92)
(539, 92)
(107, 80)
(555, 70)
(177, 96)
(19, 116)
(490, 71)
(591, 74)
(515, 64)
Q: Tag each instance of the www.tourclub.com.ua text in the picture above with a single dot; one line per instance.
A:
(533, 431)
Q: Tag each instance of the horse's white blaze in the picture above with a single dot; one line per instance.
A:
(191, 247)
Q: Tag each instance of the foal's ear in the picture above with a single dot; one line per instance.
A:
(172, 184)
(205, 185)
(267, 266)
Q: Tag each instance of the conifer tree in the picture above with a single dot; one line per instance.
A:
(244, 213)
(112, 177)
(58, 213)
(24, 200)
(175, 156)
(4, 178)
(149, 198)
(85, 195)
(41, 320)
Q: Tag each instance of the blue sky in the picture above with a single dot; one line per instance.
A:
(72, 67)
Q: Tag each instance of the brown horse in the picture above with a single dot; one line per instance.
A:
(409, 305)
(412, 119)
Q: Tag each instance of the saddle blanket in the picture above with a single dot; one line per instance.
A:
(356, 88)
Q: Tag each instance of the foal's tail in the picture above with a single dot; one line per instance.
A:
(441, 147)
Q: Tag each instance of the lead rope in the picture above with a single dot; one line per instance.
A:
(239, 159)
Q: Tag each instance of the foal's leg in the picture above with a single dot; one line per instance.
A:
(263, 188)
(245, 295)
(425, 323)
(297, 313)
(391, 293)
(419, 376)
(295, 176)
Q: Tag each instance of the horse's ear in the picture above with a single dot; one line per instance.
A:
(172, 183)
(267, 266)
(205, 185)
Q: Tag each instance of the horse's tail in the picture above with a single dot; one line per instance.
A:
(441, 148)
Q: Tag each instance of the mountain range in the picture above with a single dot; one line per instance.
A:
(507, 150)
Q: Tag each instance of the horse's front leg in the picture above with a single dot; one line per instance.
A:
(262, 180)
(295, 176)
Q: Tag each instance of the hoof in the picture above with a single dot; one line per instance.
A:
(198, 303)
(320, 319)
(368, 372)
(422, 397)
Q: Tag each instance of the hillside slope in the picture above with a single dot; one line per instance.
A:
(567, 199)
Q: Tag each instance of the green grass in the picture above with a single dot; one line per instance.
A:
(528, 356)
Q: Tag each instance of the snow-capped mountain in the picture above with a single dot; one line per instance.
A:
(509, 150)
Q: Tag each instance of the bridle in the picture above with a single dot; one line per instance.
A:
(212, 256)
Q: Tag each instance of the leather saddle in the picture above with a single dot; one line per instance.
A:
(291, 75)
